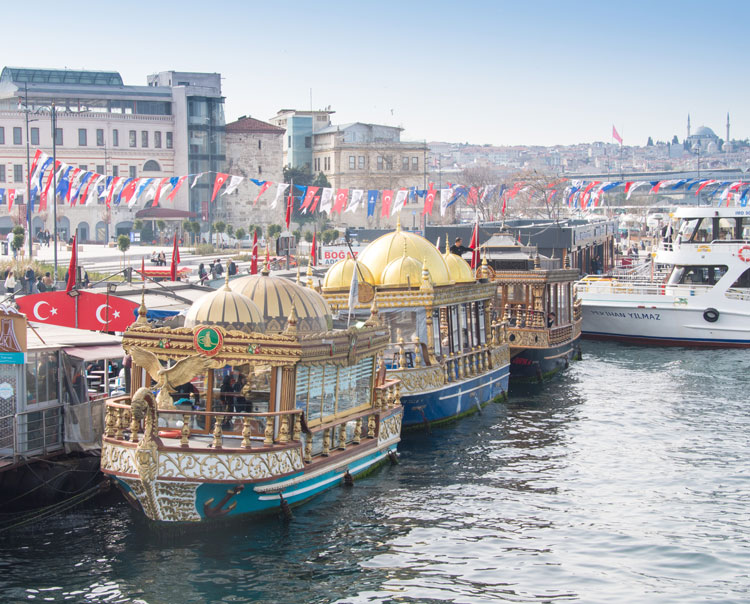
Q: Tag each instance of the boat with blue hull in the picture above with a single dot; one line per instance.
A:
(449, 356)
(301, 406)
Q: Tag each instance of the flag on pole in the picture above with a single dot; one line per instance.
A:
(288, 218)
(221, 178)
(73, 265)
(11, 198)
(400, 201)
(616, 135)
(175, 259)
(474, 245)
(254, 256)
(353, 292)
(314, 250)
(143, 269)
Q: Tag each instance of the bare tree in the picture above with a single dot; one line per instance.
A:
(537, 195)
(486, 181)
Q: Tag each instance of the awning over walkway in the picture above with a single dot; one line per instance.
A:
(164, 213)
(96, 353)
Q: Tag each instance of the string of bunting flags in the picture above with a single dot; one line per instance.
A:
(82, 187)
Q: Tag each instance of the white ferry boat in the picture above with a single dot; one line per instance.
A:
(703, 301)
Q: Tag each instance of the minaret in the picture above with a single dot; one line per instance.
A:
(688, 134)
(727, 126)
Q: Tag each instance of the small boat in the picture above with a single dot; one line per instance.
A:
(310, 412)
(450, 358)
(703, 298)
(536, 301)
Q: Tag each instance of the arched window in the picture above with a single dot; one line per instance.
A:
(151, 166)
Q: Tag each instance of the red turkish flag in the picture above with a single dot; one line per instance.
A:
(173, 192)
(158, 193)
(429, 201)
(175, 259)
(263, 189)
(98, 312)
(474, 245)
(311, 191)
(341, 197)
(127, 192)
(11, 198)
(254, 257)
(473, 196)
(387, 199)
(218, 183)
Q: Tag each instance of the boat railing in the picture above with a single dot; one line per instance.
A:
(518, 315)
(645, 288)
(727, 245)
(221, 429)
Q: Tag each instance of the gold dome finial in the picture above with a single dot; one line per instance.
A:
(309, 275)
(447, 244)
(374, 318)
(537, 263)
(267, 266)
(291, 324)
(398, 222)
(142, 308)
(299, 278)
(226, 279)
(426, 281)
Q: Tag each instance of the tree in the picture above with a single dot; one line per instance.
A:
(195, 227)
(321, 181)
(482, 177)
(123, 244)
(299, 176)
(297, 234)
(161, 225)
(230, 230)
(186, 227)
(219, 227)
(274, 230)
(537, 195)
(240, 234)
(650, 142)
(16, 243)
(137, 224)
(308, 236)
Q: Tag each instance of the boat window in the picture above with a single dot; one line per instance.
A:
(436, 339)
(743, 281)
(456, 330)
(345, 393)
(464, 328)
(329, 390)
(303, 387)
(41, 377)
(482, 328)
(315, 394)
(697, 275)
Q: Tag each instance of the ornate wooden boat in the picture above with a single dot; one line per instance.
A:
(537, 302)
(450, 358)
(312, 413)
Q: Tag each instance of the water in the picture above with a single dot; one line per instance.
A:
(626, 479)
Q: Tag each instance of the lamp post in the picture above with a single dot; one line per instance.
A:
(54, 180)
(28, 169)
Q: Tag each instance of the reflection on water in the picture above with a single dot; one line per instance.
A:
(623, 480)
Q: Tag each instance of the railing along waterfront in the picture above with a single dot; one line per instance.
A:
(612, 286)
(249, 430)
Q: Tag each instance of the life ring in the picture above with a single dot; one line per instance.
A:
(744, 253)
(711, 315)
(170, 433)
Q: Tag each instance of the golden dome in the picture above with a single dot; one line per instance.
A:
(227, 308)
(402, 271)
(458, 268)
(339, 276)
(274, 298)
(387, 248)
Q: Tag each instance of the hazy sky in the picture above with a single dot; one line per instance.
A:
(502, 72)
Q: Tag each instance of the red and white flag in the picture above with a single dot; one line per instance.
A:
(387, 199)
(11, 198)
(162, 182)
(175, 260)
(263, 188)
(221, 178)
(429, 201)
(474, 245)
(173, 192)
(341, 197)
(309, 196)
(616, 135)
(254, 256)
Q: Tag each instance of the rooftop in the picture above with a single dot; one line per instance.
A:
(250, 124)
(60, 76)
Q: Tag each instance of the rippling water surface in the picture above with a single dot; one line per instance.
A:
(626, 479)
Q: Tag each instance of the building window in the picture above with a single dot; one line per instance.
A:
(35, 136)
(157, 140)
(2, 173)
(82, 137)
(83, 167)
(169, 140)
(17, 138)
(17, 173)
(144, 138)
(115, 170)
(131, 137)
(58, 136)
(380, 162)
(389, 163)
(316, 164)
(352, 162)
(308, 142)
(404, 163)
(260, 170)
(289, 141)
(415, 164)
(2, 135)
(326, 163)
(151, 166)
(131, 171)
(100, 169)
(260, 144)
(115, 138)
(361, 162)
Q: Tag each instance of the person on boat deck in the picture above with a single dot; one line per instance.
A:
(459, 249)
(241, 404)
(226, 398)
(550, 319)
(186, 391)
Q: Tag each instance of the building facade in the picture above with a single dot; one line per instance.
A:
(254, 150)
(172, 126)
(300, 126)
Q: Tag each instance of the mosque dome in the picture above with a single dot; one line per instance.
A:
(458, 269)
(387, 248)
(705, 131)
(274, 297)
(339, 275)
(226, 308)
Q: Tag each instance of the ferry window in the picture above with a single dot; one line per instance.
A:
(743, 281)
(464, 328)
(41, 377)
(482, 327)
(363, 380)
(329, 392)
(315, 394)
(436, 331)
(697, 275)
(456, 340)
(302, 387)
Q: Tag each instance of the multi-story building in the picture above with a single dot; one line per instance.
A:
(371, 156)
(300, 127)
(254, 150)
(172, 126)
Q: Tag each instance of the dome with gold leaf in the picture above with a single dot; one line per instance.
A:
(275, 296)
(227, 308)
(458, 268)
(403, 271)
(387, 248)
(339, 275)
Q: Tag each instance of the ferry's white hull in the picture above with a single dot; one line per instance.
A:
(659, 320)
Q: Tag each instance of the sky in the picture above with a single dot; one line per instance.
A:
(484, 72)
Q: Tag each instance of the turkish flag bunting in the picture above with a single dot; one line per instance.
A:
(387, 198)
(473, 196)
(98, 312)
(175, 259)
(429, 201)
(221, 178)
(311, 191)
(11, 198)
(158, 192)
(37, 155)
(263, 189)
(128, 191)
(73, 176)
(254, 257)
(173, 192)
(341, 197)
